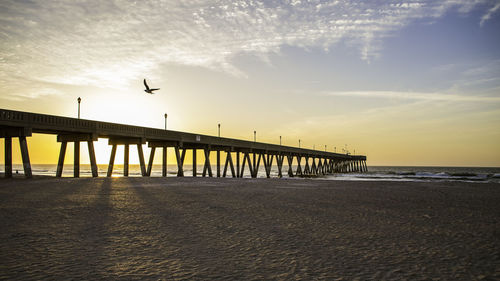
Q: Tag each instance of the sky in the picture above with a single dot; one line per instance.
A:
(412, 83)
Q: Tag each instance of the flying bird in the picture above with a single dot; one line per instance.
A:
(148, 90)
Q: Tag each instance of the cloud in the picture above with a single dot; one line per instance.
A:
(30, 94)
(488, 15)
(111, 43)
(477, 77)
(415, 96)
(491, 69)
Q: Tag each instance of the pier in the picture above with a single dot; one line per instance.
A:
(240, 156)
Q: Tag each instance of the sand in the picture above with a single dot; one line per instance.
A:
(248, 229)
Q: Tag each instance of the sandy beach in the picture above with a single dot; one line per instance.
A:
(248, 229)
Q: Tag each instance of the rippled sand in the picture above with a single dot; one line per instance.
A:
(244, 229)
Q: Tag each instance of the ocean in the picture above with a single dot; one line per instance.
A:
(387, 173)
(407, 173)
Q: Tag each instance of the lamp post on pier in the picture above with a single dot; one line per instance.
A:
(218, 128)
(299, 143)
(280, 140)
(325, 147)
(254, 136)
(166, 115)
(79, 101)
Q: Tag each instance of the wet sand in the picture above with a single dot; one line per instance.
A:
(248, 229)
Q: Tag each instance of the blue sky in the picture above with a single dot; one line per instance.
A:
(405, 82)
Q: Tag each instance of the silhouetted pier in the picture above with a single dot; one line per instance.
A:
(18, 124)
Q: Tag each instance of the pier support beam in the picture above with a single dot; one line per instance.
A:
(265, 160)
(141, 160)
(256, 165)
(307, 170)
(111, 161)
(8, 157)
(229, 160)
(320, 167)
(194, 163)
(299, 167)
(268, 163)
(180, 161)
(163, 161)
(93, 162)
(163, 145)
(290, 162)
(76, 159)
(218, 163)
(242, 170)
(16, 132)
(125, 160)
(126, 142)
(279, 159)
(25, 156)
(246, 158)
(238, 175)
(207, 166)
(314, 171)
(76, 139)
(150, 162)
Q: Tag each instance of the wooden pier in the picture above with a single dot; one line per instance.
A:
(240, 155)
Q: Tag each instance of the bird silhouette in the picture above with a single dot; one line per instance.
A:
(148, 90)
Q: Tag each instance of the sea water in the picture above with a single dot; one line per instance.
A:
(388, 173)
(406, 173)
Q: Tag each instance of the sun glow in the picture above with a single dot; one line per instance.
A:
(133, 108)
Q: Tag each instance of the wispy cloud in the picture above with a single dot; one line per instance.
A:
(415, 96)
(30, 94)
(110, 43)
(488, 15)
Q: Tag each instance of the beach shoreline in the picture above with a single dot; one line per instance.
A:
(210, 228)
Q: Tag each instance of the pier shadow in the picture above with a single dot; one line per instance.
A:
(62, 234)
(178, 244)
(219, 232)
(33, 198)
(93, 253)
